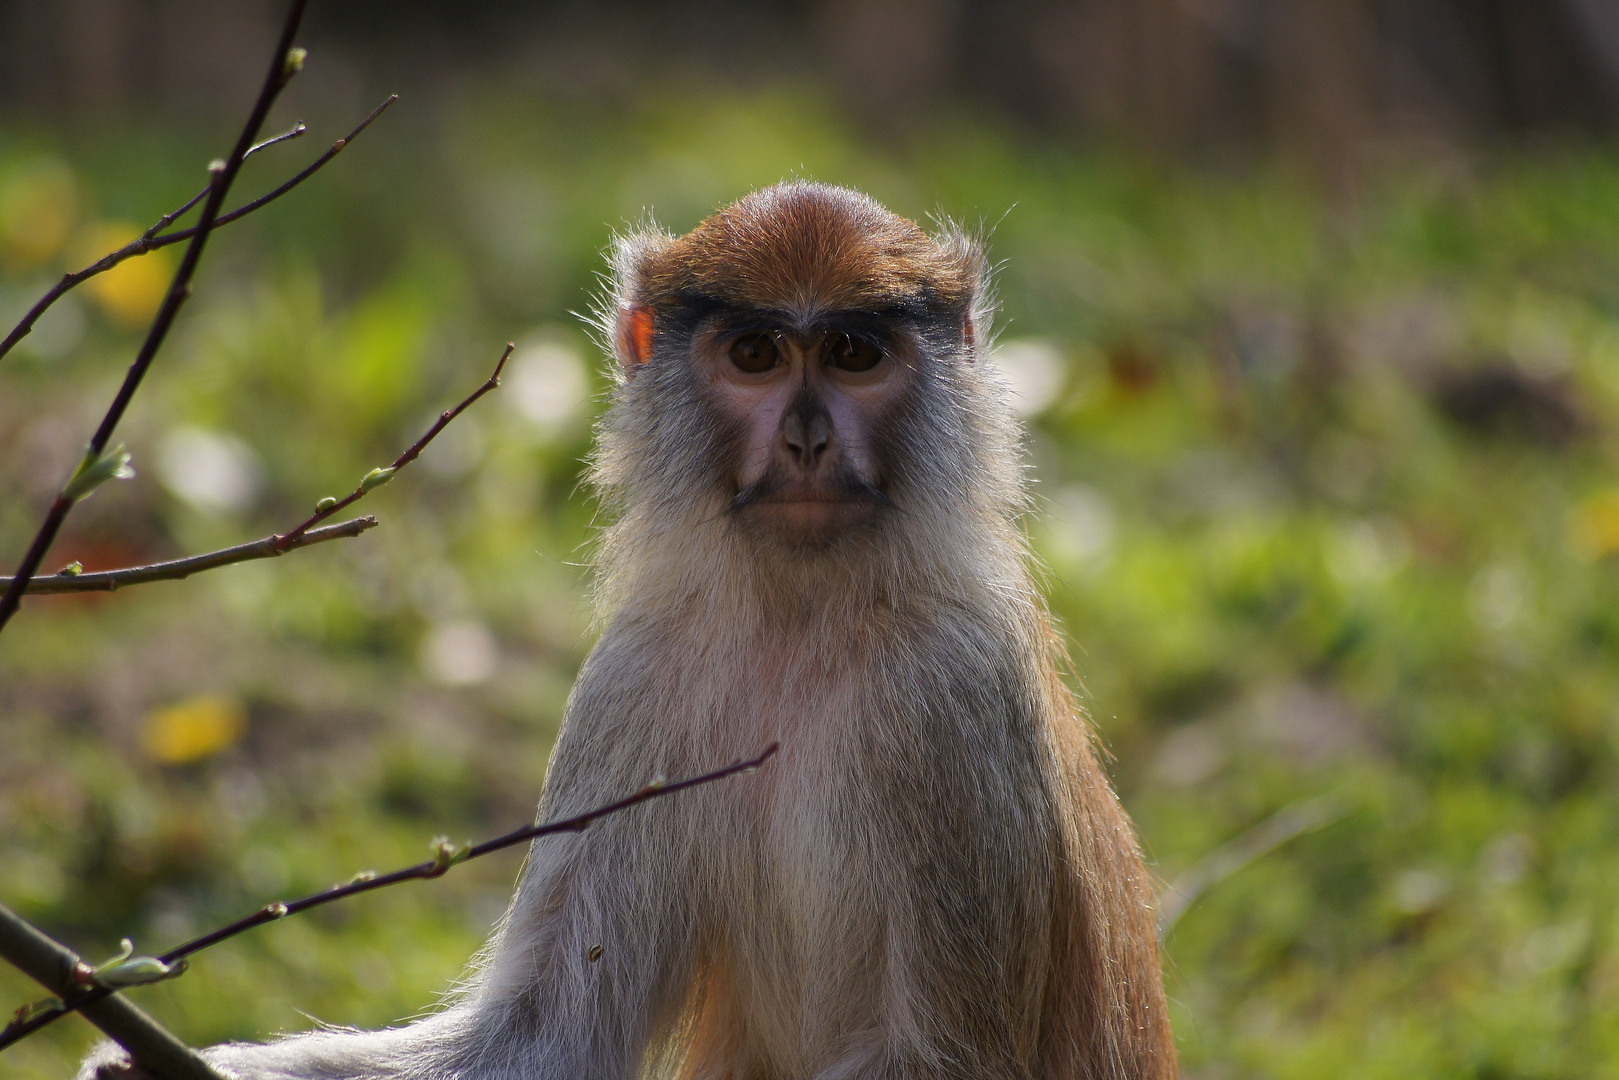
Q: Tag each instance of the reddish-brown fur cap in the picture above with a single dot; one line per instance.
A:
(801, 245)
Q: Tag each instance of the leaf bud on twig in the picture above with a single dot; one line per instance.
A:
(376, 478)
(446, 854)
(126, 969)
(326, 504)
(295, 62)
(93, 471)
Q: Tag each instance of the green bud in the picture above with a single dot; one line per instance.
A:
(72, 569)
(138, 971)
(126, 969)
(94, 471)
(376, 478)
(294, 62)
(326, 504)
(446, 854)
(217, 165)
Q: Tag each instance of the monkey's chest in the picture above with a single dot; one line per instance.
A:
(880, 819)
(900, 779)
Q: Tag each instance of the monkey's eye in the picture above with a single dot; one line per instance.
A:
(754, 353)
(849, 353)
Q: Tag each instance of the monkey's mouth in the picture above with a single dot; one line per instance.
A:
(841, 487)
(811, 510)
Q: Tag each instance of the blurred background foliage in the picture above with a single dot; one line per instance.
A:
(1318, 340)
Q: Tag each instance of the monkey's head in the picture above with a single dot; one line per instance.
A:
(800, 369)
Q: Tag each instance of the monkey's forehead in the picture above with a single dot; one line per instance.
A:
(803, 246)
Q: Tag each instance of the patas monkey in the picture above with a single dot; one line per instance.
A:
(816, 486)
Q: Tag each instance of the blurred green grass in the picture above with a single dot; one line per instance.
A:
(1328, 504)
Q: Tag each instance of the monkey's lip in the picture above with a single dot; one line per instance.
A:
(799, 491)
(809, 500)
(823, 497)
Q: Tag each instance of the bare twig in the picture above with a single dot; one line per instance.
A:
(1261, 840)
(446, 855)
(176, 569)
(283, 66)
(138, 246)
(109, 261)
(271, 196)
(59, 970)
(377, 477)
(151, 241)
(302, 535)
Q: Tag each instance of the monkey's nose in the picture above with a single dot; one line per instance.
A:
(807, 437)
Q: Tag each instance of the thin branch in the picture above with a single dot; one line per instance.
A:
(296, 131)
(270, 546)
(378, 477)
(139, 246)
(136, 248)
(59, 970)
(1257, 842)
(284, 64)
(445, 856)
(151, 241)
(177, 569)
(271, 196)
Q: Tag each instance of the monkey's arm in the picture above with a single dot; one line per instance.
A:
(319, 1055)
(1105, 1013)
(546, 1003)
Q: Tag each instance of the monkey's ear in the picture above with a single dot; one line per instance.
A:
(634, 334)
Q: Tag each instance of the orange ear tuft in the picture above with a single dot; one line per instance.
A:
(635, 335)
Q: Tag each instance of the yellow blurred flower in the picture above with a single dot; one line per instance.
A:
(193, 729)
(1594, 526)
(131, 291)
(38, 202)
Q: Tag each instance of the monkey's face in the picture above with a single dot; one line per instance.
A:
(804, 408)
(799, 369)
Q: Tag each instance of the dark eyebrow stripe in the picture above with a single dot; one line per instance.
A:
(853, 320)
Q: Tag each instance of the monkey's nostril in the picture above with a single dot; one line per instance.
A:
(808, 451)
(806, 433)
(819, 437)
